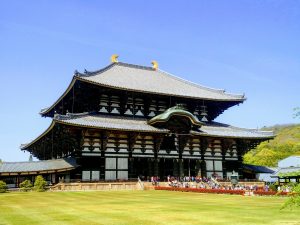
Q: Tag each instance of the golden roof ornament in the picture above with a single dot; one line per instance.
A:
(155, 64)
(114, 58)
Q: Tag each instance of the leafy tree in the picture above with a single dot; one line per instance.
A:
(26, 185)
(40, 184)
(294, 199)
(297, 112)
(3, 187)
(268, 153)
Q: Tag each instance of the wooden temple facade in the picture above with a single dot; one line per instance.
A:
(125, 121)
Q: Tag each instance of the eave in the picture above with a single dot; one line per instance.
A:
(85, 78)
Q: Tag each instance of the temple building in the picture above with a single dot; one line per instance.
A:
(125, 121)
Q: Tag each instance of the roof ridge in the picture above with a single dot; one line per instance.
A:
(87, 73)
(72, 115)
(135, 66)
(221, 91)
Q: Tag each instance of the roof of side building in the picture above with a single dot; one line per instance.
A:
(43, 166)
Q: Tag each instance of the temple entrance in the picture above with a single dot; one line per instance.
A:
(141, 168)
(166, 168)
(189, 166)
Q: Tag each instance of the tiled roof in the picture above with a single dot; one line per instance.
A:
(224, 130)
(108, 122)
(146, 79)
(257, 169)
(139, 124)
(98, 121)
(173, 111)
(285, 170)
(38, 166)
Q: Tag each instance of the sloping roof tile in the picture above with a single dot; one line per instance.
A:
(223, 130)
(108, 122)
(146, 79)
(136, 124)
(257, 169)
(38, 166)
(285, 170)
(99, 121)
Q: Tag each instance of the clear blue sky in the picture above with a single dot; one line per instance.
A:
(250, 47)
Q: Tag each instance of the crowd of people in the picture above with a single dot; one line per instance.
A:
(201, 182)
(211, 183)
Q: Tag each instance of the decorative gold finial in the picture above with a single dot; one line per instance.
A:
(155, 64)
(114, 58)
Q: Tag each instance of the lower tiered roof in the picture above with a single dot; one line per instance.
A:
(97, 121)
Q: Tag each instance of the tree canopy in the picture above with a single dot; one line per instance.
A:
(268, 153)
(297, 112)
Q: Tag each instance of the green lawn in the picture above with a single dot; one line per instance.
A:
(141, 207)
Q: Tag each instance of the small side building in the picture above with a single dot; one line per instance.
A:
(261, 173)
(14, 173)
(288, 170)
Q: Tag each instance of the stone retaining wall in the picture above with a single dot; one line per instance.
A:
(95, 186)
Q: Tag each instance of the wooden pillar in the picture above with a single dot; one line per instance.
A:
(225, 145)
(181, 167)
(198, 168)
(102, 168)
(156, 167)
(203, 147)
(17, 180)
(203, 168)
(241, 148)
(150, 172)
(157, 140)
(175, 168)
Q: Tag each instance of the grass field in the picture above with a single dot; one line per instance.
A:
(141, 207)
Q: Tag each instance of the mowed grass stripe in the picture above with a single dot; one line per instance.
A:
(141, 207)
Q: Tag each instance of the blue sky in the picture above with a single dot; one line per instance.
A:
(242, 46)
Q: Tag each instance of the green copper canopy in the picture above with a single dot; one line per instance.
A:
(176, 111)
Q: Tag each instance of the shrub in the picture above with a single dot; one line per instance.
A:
(273, 187)
(202, 190)
(294, 199)
(40, 184)
(26, 185)
(3, 186)
(270, 193)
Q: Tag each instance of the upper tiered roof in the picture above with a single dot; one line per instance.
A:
(145, 79)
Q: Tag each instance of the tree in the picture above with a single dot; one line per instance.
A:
(268, 153)
(3, 187)
(26, 185)
(297, 112)
(294, 200)
(40, 184)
